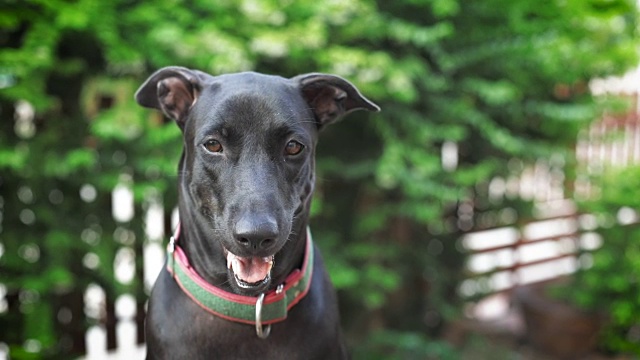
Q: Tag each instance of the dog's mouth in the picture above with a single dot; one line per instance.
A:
(250, 272)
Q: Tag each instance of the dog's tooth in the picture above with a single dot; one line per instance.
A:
(230, 260)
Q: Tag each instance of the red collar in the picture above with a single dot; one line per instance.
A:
(266, 309)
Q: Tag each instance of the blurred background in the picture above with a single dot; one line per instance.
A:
(497, 191)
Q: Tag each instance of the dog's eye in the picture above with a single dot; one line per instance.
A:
(213, 146)
(293, 148)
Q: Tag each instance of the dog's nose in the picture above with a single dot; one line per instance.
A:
(256, 232)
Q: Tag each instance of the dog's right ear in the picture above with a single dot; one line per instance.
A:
(173, 90)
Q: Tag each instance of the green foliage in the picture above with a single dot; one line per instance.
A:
(501, 79)
(409, 346)
(611, 284)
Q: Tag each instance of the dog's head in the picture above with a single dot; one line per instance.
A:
(247, 170)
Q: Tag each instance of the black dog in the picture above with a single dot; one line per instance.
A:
(243, 260)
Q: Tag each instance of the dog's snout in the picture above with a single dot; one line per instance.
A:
(256, 232)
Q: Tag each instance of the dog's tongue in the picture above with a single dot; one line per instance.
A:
(250, 270)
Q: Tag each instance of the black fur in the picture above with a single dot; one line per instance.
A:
(248, 196)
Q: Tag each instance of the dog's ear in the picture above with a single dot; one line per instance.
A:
(330, 97)
(173, 90)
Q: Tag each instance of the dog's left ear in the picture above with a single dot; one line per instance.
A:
(173, 90)
(330, 97)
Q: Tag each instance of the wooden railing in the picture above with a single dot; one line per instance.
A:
(500, 259)
(613, 141)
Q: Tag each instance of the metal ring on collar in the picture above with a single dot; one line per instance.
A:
(263, 333)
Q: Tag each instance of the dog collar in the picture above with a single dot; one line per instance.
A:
(266, 309)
